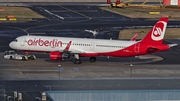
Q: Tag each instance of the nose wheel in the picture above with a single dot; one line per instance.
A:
(92, 59)
(32, 57)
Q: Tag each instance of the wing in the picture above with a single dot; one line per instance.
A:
(71, 50)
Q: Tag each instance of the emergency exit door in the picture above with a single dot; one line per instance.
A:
(92, 45)
(137, 47)
(23, 41)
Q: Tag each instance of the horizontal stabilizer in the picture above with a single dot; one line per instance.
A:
(172, 45)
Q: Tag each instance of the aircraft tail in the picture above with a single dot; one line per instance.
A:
(156, 34)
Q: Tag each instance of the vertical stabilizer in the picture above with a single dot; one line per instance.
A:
(156, 34)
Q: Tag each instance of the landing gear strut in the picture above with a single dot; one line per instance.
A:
(77, 60)
(92, 59)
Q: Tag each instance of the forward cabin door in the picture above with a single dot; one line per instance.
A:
(23, 41)
(137, 47)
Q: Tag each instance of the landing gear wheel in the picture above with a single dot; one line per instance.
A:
(78, 61)
(33, 57)
(92, 59)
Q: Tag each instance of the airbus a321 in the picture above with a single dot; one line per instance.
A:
(60, 48)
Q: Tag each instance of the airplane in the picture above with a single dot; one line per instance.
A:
(61, 48)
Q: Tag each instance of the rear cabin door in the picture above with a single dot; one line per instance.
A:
(92, 45)
(137, 47)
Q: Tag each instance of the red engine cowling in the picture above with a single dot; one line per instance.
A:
(55, 55)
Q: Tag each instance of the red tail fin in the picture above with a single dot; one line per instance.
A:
(156, 34)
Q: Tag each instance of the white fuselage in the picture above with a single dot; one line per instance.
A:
(79, 45)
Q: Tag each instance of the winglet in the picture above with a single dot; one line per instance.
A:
(172, 45)
(134, 37)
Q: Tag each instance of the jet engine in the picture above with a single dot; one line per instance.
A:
(56, 55)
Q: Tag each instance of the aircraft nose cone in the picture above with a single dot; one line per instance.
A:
(11, 45)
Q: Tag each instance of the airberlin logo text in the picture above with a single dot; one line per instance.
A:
(159, 31)
(46, 43)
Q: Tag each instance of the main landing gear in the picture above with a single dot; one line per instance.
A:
(92, 59)
(78, 60)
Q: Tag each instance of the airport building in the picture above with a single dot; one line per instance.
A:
(115, 95)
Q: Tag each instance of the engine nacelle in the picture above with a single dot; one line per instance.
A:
(56, 55)
(59, 55)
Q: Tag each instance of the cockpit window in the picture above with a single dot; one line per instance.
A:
(15, 40)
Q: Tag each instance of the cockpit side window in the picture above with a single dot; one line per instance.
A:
(15, 40)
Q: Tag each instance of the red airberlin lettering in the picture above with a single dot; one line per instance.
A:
(47, 43)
